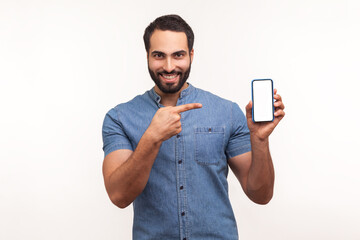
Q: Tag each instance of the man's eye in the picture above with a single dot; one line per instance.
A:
(179, 55)
(157, 55)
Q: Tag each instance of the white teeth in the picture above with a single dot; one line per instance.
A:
(169, 76)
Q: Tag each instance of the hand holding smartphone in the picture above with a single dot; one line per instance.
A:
(262, 100)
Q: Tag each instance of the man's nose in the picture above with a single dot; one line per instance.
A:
(169, 65)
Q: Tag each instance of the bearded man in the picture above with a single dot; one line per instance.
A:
(168, 151)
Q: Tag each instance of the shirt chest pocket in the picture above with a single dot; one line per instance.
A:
(209, 145)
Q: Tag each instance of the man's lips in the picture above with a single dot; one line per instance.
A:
(169, 78)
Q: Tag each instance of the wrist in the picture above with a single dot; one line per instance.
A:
(152, 137)
(258, 139)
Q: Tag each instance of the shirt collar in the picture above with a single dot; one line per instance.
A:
(187, 91)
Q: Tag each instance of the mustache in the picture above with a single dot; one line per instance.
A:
(169, 73)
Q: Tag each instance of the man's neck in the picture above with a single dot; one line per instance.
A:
(170, 99)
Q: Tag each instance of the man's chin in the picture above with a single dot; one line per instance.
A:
(170, 87)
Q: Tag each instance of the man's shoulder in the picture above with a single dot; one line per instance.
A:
(135, 102)
(136, 105)
(213, 98)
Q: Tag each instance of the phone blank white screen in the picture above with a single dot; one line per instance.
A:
(262, 100)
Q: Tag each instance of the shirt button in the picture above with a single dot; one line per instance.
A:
(180, 161)
(178, 135)
(184, 238)
(181, 187)
(183, 214)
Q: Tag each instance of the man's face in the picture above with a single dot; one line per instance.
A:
(169, 60)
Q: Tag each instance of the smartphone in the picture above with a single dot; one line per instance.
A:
(263, 100)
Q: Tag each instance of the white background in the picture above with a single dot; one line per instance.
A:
(64, 64)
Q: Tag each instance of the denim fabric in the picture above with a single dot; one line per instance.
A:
(186, 196)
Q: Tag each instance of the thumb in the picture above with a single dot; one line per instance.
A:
(248, 109)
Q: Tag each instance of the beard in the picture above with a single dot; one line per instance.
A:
(170, 87)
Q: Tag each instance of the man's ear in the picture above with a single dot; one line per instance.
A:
(191, 55)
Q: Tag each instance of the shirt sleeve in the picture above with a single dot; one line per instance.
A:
(114, 136)
(239, 141)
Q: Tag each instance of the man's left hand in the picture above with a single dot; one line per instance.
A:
(262, 130)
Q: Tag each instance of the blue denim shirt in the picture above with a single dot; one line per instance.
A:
(186, 196)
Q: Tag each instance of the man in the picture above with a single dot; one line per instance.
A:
(168, 151)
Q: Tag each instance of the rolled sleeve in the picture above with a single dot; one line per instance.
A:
(114, 136)
(239, 141)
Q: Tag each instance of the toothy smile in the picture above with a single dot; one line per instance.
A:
(168, 76)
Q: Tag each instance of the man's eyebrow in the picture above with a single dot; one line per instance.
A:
(180, 52)
(157, 52)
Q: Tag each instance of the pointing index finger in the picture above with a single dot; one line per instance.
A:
(187, 107)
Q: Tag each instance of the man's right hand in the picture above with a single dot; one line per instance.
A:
(166, 121)
(126, 172)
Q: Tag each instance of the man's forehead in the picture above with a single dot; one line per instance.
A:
(168, 41)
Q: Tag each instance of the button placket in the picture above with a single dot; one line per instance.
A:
(180, 167)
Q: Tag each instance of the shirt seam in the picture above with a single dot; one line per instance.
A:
(243, 147)
(116, 146)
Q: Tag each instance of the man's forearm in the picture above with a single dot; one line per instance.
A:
(260, 182)
(130, 179)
